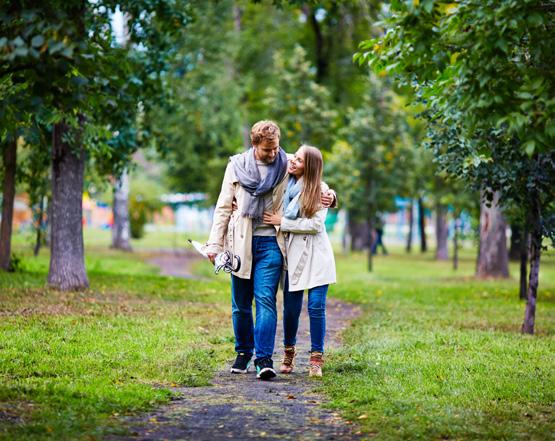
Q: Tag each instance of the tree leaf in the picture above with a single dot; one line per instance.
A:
(37, 41)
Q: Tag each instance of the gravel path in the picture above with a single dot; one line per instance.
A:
(240, 407)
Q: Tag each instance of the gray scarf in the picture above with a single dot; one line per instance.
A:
(248, 176)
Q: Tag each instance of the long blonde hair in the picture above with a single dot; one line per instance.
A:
(310, 200)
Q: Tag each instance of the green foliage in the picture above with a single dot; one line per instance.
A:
(373, 156)
(65, 57)
(302, 107)
(484, 71)
(15, 263)
(203, 117)
(144, 201)
(492, 61)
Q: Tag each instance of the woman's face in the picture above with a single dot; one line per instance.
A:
(296, 165)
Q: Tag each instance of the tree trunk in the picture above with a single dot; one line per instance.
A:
(67, 263)
(456, 229)
(359, 235)
(410, 222)
(319, 49)
(422, 226)
(8, 188)
(237, 17)
(535, 253)
(346, 237)
(493, 258)
(516, 239)
(371, 239)
(121, 226)
(442, 233)
(524, 244)
(40, 222)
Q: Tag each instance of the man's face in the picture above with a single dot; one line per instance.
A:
(266, 151)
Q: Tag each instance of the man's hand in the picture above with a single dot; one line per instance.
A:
(272, 218)
(234, 206)
(212, 257)
(327, 199)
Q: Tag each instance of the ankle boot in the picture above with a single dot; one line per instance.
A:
(288, 362)
(316, 363)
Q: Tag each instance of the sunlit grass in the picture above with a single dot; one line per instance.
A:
(437, 354)
(96, 238)
(70, 363)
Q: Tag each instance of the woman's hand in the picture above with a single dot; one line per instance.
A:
(234, 205)
(271, 218)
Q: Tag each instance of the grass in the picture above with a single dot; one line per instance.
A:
(438, 355)
(435, 353)
(97, 239)
(71, 363)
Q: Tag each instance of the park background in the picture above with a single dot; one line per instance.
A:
(435, 118)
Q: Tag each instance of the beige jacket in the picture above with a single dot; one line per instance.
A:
(233, 232)
(310, 259)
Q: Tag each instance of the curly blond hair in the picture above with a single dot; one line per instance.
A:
(265, 130)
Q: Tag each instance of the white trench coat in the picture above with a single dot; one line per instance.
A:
(309, 253)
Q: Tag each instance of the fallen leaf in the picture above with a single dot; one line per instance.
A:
(363, 416)
(291, 397)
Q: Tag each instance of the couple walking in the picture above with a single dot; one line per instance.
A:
(271, 212)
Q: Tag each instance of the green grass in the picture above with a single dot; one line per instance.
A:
(71, 363)
(437, 354)
(101, 239)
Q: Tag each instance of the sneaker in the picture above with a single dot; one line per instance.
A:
(316, 363)
(288, 362)
(264, 368)
(242, 363)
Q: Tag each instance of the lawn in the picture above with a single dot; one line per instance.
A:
(435, 354)
(71, 363)
(438, 355)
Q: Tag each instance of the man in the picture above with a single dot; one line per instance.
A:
(255, 181)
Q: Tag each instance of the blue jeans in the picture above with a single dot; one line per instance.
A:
(267, 263)
(292, 306)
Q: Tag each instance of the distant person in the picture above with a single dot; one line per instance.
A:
(310, 260)
(378, 238)
(255, 181)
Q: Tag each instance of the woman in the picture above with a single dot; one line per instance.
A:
(310, 261)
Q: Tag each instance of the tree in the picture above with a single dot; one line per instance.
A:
(67, 266)
(63, 51)
(485, 71)
(302, 107)
(8, 186)
(493, 259)
(14, 118)
(369, 162)
(121, 227)
(200, 124)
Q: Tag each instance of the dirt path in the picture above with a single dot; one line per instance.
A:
(240, 407)
(176, 263)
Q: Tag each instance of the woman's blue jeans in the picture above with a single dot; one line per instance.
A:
(292, 306)
(267, 262)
